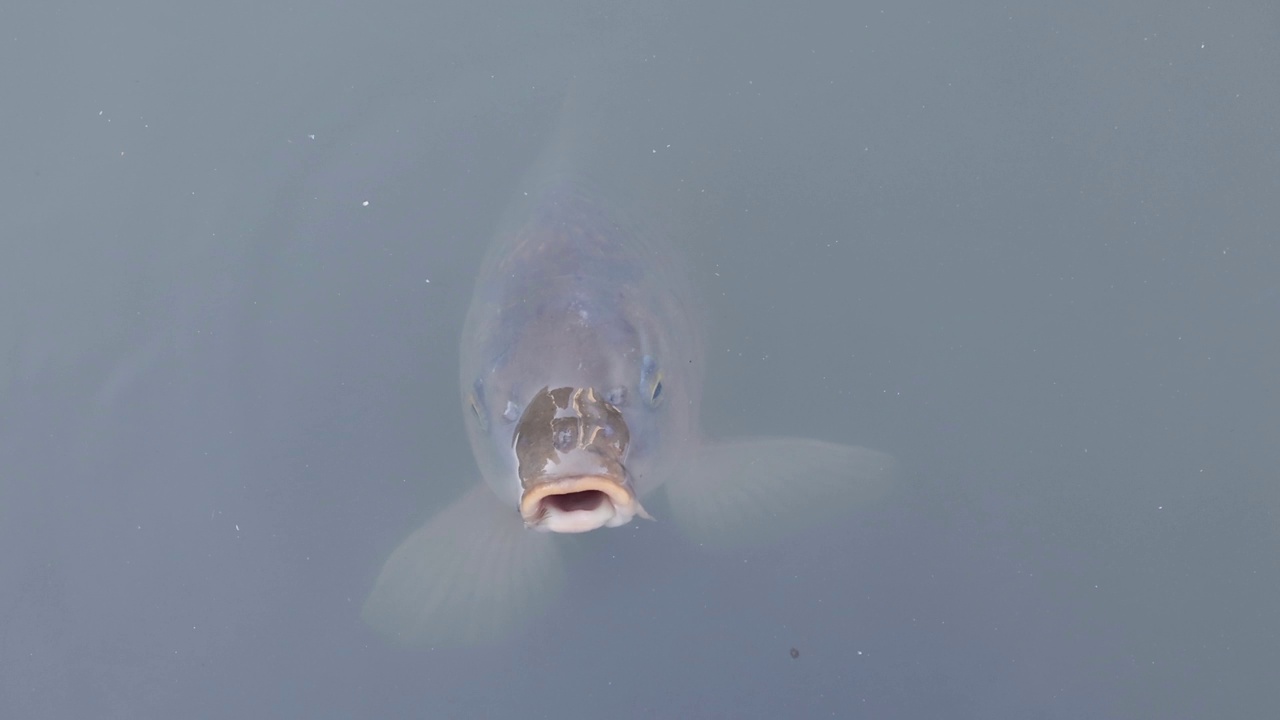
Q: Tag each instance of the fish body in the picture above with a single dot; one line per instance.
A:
(580, 361)
(581, 371)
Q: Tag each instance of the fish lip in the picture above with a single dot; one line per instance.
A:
(616, 505)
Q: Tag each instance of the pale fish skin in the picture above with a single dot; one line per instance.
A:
(581, 378)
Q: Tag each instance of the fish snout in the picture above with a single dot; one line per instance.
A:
(570, 445)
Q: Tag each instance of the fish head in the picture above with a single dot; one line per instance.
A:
(568, 421)
(570, 417)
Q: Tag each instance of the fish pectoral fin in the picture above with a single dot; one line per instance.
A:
(466, 576)
(753, 490)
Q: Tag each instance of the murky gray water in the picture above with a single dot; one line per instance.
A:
(1030, 254)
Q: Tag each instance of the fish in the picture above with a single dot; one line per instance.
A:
(581, 368)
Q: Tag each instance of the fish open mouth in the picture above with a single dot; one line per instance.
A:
(571, 445)
(579, 504)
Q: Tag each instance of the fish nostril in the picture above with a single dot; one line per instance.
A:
(512, 412)
(565, 435)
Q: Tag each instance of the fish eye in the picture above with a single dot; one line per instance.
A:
(478, 412)
(476, 400)
(650, 381)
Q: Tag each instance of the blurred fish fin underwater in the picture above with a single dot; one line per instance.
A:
(755, 490)
(466, 576)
